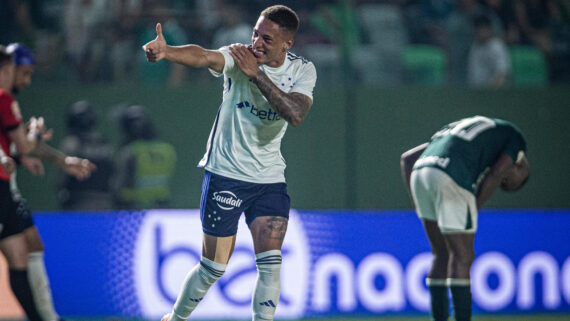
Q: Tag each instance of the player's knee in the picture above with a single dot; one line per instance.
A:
(210, 271)
(439, 263)
(463, 259)
(441, 255)
(269, 264)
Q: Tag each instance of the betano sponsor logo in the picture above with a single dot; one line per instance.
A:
(495, 282)
(260, 113)
(169, 245)
(226, 200)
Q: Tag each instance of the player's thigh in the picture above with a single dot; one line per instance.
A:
(218, 249)
(15, 250)
(268, 217)
(435, 237)
(461, 243)
(268, 233)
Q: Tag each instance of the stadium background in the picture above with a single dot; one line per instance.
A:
(345, 155)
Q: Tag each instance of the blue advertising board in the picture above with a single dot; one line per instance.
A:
(335, 262)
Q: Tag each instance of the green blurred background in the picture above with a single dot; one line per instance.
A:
(346, 153)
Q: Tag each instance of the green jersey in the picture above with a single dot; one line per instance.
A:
(466, 149)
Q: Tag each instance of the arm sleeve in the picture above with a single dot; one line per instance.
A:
(229, 63)
(305, 83)
(10, 115)
(515, 144)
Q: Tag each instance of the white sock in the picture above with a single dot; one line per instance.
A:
(195, 286)
(267, 286)
(39, 283)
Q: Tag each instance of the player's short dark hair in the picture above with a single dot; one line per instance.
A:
(5, 57)
(282, 15)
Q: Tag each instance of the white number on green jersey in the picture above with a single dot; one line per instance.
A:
(467, 129)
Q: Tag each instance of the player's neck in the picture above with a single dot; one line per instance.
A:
(278, 62)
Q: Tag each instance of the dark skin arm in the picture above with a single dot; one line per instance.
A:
(494, 178)
(407, 161)
(292, 107)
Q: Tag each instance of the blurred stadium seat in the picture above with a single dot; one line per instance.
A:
(529, 66)
(424, 64)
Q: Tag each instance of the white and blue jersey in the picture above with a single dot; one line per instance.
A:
(245, 140)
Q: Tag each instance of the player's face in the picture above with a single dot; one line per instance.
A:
(270, 43)
(22, 77)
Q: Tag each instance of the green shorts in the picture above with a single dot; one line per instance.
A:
(439, 198)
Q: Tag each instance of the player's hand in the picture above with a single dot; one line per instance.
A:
(8, 163)
(47, 135)
(245, 59)
(156, 49)
(33, 165)
(79, 168)
(37, 129)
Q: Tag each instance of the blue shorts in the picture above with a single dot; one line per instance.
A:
(224, 199)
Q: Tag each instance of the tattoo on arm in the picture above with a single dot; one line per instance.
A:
(291, 107)
(276, 227)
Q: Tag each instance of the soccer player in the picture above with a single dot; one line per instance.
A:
(450, 178)
(12, 240)
(78, 167)
(266, 87)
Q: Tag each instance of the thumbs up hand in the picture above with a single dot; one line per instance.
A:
(155, 50)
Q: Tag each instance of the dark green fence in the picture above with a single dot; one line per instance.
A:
(384, 122)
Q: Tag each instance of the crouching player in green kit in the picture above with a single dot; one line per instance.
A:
(450, 178)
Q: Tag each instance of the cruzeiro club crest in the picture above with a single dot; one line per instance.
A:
(226, 200)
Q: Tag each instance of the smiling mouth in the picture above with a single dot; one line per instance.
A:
(258, 53)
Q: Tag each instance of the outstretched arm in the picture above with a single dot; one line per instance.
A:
(78, 167)
(188, 55)
(292, 107)
(407, 161)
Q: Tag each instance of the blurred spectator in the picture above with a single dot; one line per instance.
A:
(560, 33)
(489, 61)
(426, 18)
(460, 34)
(162, 72)
(533, 18)
(120, 38)
(83, 140)
(379, 60)
(85, 22)
(545, 24)
(144, 164)
(505, 11)
(233, 29)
